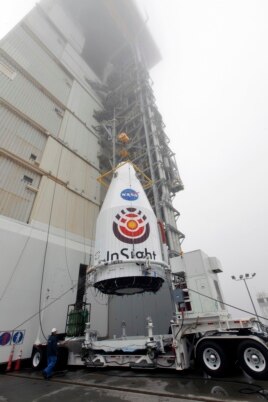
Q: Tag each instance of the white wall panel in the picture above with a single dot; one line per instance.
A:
(20, 284)
(29, 99)
(79, 68)
(16, 200)
(19, 137)
(68, 167)
(51, 157)
(82, 104)
(79, 138)
(81, 176)
(65, 25)
(44, 30)
(22, 47)
(70, 212)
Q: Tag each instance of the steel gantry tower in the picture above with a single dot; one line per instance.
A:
(129, 106)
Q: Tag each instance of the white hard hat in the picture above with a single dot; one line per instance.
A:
(54, 330)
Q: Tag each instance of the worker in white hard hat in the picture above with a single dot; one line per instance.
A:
(52, 353)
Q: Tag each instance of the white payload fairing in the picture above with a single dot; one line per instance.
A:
(128, 255)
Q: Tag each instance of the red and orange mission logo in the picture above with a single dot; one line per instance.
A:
(131, 226)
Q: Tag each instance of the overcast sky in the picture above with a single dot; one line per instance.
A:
(211, 88)
(212, 91)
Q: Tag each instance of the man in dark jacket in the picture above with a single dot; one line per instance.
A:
(52, 352)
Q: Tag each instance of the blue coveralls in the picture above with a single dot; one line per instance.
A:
(52, 351)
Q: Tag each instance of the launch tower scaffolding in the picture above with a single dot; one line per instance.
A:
(129, 107)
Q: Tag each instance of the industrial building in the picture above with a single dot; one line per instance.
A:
(262, 299)
(76, 99)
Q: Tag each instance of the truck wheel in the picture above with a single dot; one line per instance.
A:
(212, 358)
(253, 359)
(37, 358)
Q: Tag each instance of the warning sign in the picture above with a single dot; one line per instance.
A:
(5, 338)
(12, 337)
(17, 338)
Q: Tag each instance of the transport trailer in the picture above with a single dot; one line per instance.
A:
(215, 344)
(131, 257)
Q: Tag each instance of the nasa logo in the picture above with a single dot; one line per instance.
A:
(129, 195)
(131, 226)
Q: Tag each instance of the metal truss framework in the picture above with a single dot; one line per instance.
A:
(129, 107)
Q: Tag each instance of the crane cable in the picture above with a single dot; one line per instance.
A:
(227, 304)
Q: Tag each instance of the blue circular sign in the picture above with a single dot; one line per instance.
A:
(17, 337)
(129, 194)
(5, 338)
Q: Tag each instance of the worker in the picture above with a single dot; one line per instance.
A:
(52, 352)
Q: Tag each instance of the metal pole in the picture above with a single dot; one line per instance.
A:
(113, 139)
(251, 299)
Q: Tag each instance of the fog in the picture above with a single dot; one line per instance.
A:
(211, 88)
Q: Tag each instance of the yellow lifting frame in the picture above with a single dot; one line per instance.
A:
(148, 181)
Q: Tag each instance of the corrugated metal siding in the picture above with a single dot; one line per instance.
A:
(81, 176)
(83, 105)
(29, 99)
(79, 68)
(79, 138)
(28, 54)
(70, 212)
(51, 157)
(68, 167)
(16, 200)
(45, 32)
(135, 309)
(19, 137)
(65, 25)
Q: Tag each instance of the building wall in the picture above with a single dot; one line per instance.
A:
(16, 189)
(262, 299)
(49, 195)
(47, 115)
(203, 286)
(25, 261)
(43, 29)
(19, 137)
(66, 210)
(27, 96)
(20, 45)
(64, 24)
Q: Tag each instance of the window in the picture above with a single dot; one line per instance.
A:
(33, 157)
(58, 111)
(27, 179)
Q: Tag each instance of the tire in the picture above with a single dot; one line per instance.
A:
(212, 358)
(253, 359)
(38, 358)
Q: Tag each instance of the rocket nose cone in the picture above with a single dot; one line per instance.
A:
(128, 253)
(125, 189)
